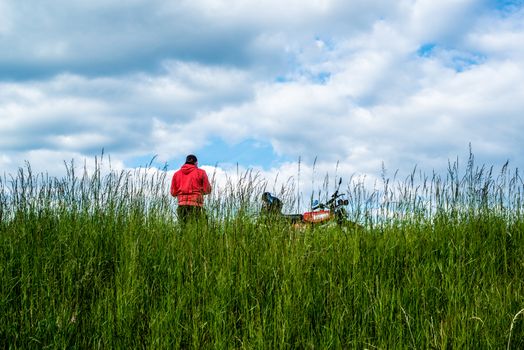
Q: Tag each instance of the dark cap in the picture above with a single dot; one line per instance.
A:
(191, 159)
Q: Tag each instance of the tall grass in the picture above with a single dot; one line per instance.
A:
(97, 260)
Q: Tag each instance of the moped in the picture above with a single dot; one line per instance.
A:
(331, 212)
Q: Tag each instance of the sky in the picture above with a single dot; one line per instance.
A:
(327, 86)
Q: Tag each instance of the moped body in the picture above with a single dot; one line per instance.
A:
(321, 213)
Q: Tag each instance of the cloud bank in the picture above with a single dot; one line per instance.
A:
(262, 83)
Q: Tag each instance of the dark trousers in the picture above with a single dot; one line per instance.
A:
(191, 213)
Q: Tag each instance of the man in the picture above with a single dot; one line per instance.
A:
(189, 185)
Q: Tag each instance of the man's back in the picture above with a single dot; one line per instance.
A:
(189, 184)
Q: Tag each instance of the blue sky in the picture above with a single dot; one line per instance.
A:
(262, 83)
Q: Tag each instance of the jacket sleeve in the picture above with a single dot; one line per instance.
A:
(174, 187)
(206, 187)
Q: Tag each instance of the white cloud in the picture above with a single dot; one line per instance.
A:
(340, 81)
(126, 114)
(499, 37)
(5, 17)
(5, 161)
(53, 163)
(443, 20)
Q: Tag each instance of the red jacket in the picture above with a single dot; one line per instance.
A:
(189, 184)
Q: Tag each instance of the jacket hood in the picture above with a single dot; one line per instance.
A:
(187, 168)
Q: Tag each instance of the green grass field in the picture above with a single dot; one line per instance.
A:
(98, 261)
